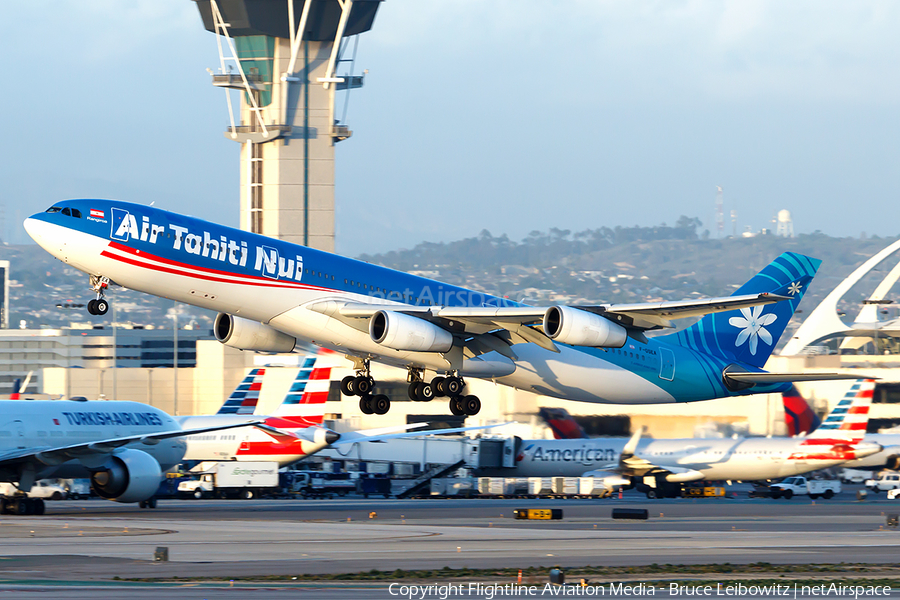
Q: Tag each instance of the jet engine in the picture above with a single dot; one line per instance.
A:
(892, 462)
(578, 327)
(245, 334)
(403, 332)
(128, 476)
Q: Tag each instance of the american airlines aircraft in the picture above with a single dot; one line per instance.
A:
(270, 294)
(660, 465)
(888, 458)
(123, 447)
(294, 431)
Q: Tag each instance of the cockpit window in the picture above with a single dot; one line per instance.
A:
(67, 212)
(76, 213)
(54, 209)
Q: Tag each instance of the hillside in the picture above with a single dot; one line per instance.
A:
(635, 264)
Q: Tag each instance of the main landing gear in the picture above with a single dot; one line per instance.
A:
(451, 387)
(100, 306)
(21, 505)
(362, 385)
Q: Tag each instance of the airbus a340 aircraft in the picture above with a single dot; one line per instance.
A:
(270, 294)
(122, 446)
(659, 465)
(296, 428)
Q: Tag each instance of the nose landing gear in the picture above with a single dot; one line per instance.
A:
(100, 306)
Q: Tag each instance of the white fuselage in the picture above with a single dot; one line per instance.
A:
(44, 424)
(570, 374)
(718, 459)
(247, 444)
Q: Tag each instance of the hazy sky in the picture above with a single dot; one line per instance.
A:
(508, 115)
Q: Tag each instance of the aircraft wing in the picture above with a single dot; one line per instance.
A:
(60, 454)
(497, 328)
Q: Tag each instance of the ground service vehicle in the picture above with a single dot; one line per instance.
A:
(884, 482)
(232, 479)
(41, 489)
(318, 483)
(799, 486)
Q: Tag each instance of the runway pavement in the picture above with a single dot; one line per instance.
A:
(98, 540)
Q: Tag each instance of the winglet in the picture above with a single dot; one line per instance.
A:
(632, 444)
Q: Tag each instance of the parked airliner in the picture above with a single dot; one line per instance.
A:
(660, 465)
(888, 458)
(270, 294)
(295, 430)
(123, 447)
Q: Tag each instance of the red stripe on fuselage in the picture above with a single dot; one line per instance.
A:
(249, 279)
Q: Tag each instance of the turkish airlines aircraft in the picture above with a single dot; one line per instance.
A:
(661, 464)
(295, 430)
(270, 294)
(123, 447)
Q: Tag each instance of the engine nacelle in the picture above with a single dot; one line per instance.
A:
(245, 334)
(892, 462)
(403, 332)
(578, 327)
(128, 476)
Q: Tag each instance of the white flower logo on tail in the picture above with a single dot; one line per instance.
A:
(753, 327)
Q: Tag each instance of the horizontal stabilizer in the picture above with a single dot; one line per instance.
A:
(755, 378)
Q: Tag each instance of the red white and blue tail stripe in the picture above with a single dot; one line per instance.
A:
(304, 404)
(244, 398)
(849, 419)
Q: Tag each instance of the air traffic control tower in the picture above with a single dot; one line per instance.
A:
(283, 56)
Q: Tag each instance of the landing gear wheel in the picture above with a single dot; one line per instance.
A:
(101, 306)
(411, 391)
(471, 405)
(92, 307)
(437, 386)
(456, 406)
(380, 404)
(363, 385)
(347, 385)
(453, 386)
(424, 392)
(142, 504)
(151, 503)
(365, 405)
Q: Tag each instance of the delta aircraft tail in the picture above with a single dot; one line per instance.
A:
(749, 335)
(561, 423)
(798, 415)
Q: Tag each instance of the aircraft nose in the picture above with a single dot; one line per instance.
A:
(36, 229)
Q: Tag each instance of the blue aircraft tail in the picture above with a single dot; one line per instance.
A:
(749, 335)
